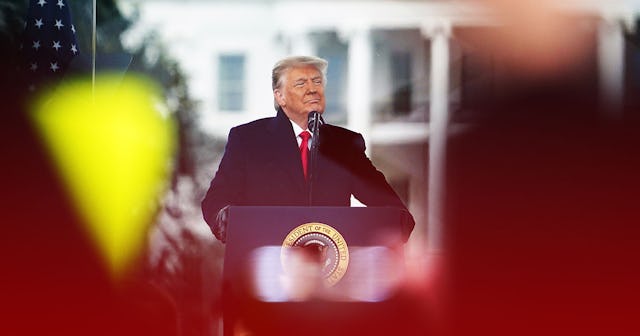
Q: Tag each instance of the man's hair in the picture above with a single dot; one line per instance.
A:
(282, 66)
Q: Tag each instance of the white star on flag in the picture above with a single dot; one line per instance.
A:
(48, 23)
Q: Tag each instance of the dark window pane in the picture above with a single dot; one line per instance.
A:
(231, 79)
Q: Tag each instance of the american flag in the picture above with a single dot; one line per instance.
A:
(49, 42)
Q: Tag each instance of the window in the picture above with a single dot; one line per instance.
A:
(401, 80)
(231, 78)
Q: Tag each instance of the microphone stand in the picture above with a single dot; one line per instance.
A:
(314, 123)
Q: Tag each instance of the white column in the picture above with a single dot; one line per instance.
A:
(611, 67)
(439, 117)
(360, 59)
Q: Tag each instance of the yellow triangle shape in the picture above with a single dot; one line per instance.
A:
(114, 149)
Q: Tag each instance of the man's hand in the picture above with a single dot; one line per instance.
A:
(220, 227)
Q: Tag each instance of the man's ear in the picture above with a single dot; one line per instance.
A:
(277, 94)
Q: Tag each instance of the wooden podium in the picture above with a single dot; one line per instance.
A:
(356, 284)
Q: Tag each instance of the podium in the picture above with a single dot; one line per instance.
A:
(353, 289)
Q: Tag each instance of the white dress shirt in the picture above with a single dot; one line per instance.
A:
(297, 130)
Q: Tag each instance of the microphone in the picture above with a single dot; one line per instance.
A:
(314, 122)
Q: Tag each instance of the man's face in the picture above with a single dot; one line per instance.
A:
(302, 91)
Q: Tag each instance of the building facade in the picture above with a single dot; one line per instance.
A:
(400, 72)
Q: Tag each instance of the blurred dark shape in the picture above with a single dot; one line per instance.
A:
(632, 72)
(54, 281)
(494, 79)
(11, 26)
(542, 219)
(539, 39)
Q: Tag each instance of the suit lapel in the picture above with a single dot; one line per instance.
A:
(286, 151)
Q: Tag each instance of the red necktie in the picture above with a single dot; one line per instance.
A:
(304, 151)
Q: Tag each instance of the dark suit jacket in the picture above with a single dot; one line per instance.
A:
(262, 166)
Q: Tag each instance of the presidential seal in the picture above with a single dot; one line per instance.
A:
(321, 244)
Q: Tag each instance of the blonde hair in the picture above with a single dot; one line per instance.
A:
(282, 66)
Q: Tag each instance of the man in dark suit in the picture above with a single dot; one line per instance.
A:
(262, 164)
